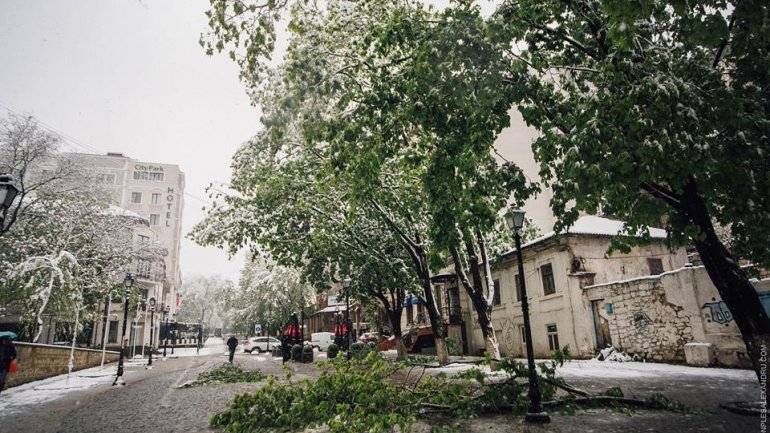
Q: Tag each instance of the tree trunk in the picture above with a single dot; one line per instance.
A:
(733, 284)
(481, 305)
(400, 348)
(436, 322)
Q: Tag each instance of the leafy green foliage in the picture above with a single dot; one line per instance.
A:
(227, 373)
(615, 391)
(454, 347)
(332, 351)
(296, 352)
(353, 396)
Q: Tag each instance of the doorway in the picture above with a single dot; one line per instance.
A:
(601, 325)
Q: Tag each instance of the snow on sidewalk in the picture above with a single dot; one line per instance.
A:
(593, 368)
(20, 398)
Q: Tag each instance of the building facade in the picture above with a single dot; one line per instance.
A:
(154, 192)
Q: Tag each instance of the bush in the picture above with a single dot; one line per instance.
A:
(307, 354)
(332, 351)
(357, 350)
(296, 353)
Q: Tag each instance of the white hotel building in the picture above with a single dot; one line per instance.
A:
(155, 192)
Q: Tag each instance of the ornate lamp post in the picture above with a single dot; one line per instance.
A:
(173, 332)
(129, 283)
(167, 313)
(515, 221)
(8, 193)
(152, 303)
(200, 337)
(346, 286)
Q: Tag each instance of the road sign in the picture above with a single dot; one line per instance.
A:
(257, 329)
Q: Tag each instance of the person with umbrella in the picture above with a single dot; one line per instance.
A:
(7, 354)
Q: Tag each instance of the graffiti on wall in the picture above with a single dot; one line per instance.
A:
(641, 320)
(718, 312)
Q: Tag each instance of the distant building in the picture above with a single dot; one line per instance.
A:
(154, 192)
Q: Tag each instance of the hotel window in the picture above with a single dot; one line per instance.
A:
(154, 219)
(143, 238)
(549, 286)
(109, 179)
(553, 337)
(141, 175)
(136, 197)
(656, 266)
(154, 175)
(497, 298)
(155, 198)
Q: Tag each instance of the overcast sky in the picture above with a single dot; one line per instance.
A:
(129, 76)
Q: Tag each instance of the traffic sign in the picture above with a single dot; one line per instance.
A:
(257, 329)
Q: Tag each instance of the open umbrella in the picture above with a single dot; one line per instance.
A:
(9, 334)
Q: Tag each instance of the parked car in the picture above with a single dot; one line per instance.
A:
(368, 337)
(321, 340)
(260, 344)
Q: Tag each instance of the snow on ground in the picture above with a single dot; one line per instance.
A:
(599, 369)
(20, 398)
(618, 370)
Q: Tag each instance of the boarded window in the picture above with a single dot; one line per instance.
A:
(549, 286)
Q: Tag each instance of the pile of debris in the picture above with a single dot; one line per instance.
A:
(614, 355)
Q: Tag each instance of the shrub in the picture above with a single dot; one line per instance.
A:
(296, 353)
(307, 354)
(357, 350)
(332, 351)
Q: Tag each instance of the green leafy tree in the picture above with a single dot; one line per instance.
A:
(409, 145)
(656, 111)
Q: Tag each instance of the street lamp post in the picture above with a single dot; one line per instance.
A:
(535, 414)
(200, 336)
(346, 286)
(166, 312)
(152, 303)
(173, 333)
(8, 193)
(128, 282)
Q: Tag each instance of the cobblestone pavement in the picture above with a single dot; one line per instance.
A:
(151, 400)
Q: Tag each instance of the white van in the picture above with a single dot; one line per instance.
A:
(321, 340)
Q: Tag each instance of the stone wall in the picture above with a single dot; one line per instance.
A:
(645, 323)
(40, 361)
(656, 316)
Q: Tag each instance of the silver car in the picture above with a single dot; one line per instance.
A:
(260, 344)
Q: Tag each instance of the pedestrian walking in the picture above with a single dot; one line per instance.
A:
(7, 355)
(232, 343)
